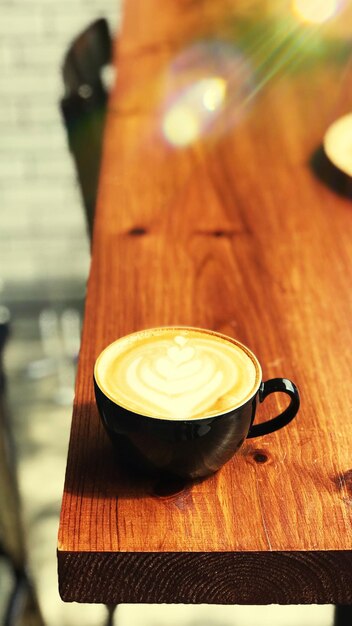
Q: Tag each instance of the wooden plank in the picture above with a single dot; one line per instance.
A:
(211, 578)
(237, 234)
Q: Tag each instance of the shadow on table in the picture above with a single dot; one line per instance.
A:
(96, 470)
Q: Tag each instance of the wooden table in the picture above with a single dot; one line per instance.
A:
(244, 232)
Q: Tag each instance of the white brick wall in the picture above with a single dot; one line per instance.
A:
(41, 214)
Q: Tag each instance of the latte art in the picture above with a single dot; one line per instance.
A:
(177, 373)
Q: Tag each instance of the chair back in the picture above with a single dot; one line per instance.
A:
(84, 107)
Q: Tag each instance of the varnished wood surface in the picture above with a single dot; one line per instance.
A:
(239, 234)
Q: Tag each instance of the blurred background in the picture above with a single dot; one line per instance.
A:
(44, 264)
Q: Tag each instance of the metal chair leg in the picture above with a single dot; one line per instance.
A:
(22, 607)
(111, 608)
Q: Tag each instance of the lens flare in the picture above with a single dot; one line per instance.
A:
(192, 112)
(214, 92)
(181, 125)
(204, 91)
(315, 11)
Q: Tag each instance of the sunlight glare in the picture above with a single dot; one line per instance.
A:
(315, 11)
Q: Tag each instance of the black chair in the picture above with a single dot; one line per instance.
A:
(84, 106)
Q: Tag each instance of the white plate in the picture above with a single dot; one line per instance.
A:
(338, 143)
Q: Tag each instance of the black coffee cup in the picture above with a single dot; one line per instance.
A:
(194, 447)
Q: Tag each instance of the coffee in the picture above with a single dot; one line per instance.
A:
(177, 373)
(182, 400)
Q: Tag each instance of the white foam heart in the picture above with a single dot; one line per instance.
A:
(180, 355)
(178, 398)
(168, 370)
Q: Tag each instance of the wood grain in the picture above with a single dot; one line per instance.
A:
(245, 233)
(211, 578)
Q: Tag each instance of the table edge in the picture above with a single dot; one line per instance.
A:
(277, 577)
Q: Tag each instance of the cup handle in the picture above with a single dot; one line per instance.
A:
(272, 386)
